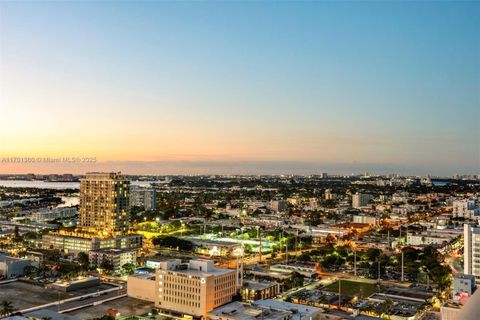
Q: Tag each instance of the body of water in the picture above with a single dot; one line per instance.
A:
(56, 185)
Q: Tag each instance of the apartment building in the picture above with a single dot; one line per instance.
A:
(116, 257)
(104, 202)
(77, 242)
(471, 250)
(465, 209)
(361, 200)
(146, 198)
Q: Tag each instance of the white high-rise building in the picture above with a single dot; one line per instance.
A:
(145, 198)
(465, 209)
(471, 248)
(361, 200)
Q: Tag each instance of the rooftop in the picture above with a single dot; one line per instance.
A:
(243, 311)
(256, 285)
(288, 306)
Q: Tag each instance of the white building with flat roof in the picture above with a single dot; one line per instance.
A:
(471, 250)
(361, 200)
(465, 209)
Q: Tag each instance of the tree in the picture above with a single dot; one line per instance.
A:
(295, 280)
(383, 307)
(6, 308)
(106, 266)
(30, 270)
(69, 269)
(83, 260)
(330, 238)
(173, 242)
(128, 268)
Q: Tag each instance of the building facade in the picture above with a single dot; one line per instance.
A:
(104, 202)
(471, 250)
(116, 257)
(193, 288)
(11, 267)
(254, 290)
(146, 198)
(465, 209)
(73, 244)
(361, 200)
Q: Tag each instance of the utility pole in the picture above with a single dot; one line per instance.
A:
(286, 253)
(240, 267)
(355, 262)
(339, 293)
(378, 269)
(296, 245)
(402, 266)
(260, 246)
(388, 239)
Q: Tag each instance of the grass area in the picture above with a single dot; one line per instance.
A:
(353, 288)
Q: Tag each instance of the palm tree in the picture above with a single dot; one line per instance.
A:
(6, 308)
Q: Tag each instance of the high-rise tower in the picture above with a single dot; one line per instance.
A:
(104, 199)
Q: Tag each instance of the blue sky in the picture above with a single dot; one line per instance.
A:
(358, 84)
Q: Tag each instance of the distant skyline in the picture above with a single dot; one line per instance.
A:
(241, 87)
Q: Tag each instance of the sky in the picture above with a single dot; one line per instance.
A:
(241, 87)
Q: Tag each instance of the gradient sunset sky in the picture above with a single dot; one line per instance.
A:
(241, 87)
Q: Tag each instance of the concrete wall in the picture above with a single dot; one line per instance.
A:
(141, 288)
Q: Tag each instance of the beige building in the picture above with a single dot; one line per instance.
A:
(193, 288)
(450, 310)
(142, 286)
(104, 201)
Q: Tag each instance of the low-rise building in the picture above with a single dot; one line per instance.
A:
(215, 248)
(255, 290)
(116, 257)
(243, 311)
(306, 271)
(298, 311)
(76, 284)
(44, 215)
(464, 284)
(73, 243)
(365, 219)
(11, 267)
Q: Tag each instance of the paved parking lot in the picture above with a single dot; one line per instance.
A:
(126, 306)
(25, 295)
